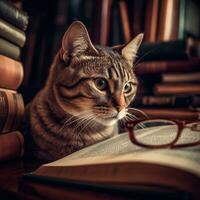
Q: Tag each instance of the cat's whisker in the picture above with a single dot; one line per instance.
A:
(78, 115)
(144, 55)
(132, 116)
(140, 112)
(129, 118)
(87, 124)
(77, 118)
(82, 121)
(141, 125)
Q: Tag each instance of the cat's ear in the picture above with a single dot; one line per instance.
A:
(129, 51)
(76, 40)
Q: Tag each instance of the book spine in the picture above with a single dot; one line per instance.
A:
(168, 20)
(171, 50)
(151, 20)
(10, 50)
(105, 21)
(11, 146)
(167, 101)
(3, 110)
(11, 113)
(20, 112)
(176, 114)
(181, 77)
(176, 66)
(12, 33)
(175, 89)
(11, 73)
(13, 15)
(125, 21)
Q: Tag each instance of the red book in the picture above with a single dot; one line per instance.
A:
(177, 89)
(11, 146)
(168, 20)
(173, 113)
(11, 73)
(153, 67)
(151, 20)
(12, 110)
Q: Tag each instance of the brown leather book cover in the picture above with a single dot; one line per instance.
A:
(175, 88)
(11, 73)
(125, 20)
(11, 146)
(105, 21)
(151, 20)
(11, 112)
(12, 34)
(173, 113)
(153, 67)
(13, 15)
(168, 20)
(190, 77)
(9, 49)
(169, 101)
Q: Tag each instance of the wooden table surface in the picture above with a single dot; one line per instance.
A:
(12, 171)
(10, 174)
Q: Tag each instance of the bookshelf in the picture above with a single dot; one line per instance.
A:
(168, 65)
(170, 44)
(13, 23)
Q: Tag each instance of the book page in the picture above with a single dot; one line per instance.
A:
(121, 146)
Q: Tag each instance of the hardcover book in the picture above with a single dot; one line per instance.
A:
(12, 73)
(180, 101)
(175, 88)
(173, 113)
(11, 146)
(119, 163)
(12, 33)
(9, 49)
(181, 77)
(13, 15)
(175, 66)
(12, 110)
(171, 50)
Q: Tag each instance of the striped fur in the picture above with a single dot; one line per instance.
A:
(71, 112)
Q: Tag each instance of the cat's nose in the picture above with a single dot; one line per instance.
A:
(118, 102)
(119, 108)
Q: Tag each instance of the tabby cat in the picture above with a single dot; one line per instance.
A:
(87, 92)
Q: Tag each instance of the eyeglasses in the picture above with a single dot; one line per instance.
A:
(163, 133)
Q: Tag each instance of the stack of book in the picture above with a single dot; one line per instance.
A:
(170, 81)
(13, 23)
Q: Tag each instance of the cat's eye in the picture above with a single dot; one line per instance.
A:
(101, 83)
(128, 88)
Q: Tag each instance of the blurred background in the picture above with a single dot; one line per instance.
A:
(168, 65)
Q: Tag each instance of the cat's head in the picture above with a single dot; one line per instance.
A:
(95, 82)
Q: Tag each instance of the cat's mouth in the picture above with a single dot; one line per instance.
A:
(108, 117)
(109, 121)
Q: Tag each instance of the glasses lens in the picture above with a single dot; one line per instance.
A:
(155, 132)
(190, 134)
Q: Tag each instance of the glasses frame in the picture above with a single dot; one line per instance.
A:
(180, 124)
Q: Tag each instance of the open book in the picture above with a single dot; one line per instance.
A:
(117, 161)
